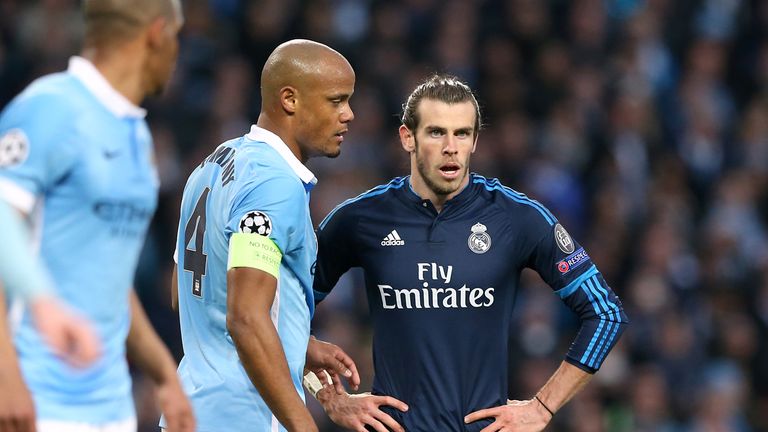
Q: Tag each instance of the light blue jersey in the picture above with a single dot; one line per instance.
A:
(20, 270)
(78, 156)
(256, 182)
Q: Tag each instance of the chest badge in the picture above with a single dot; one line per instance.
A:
(479, 241)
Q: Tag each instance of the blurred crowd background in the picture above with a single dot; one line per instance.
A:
(642, 124)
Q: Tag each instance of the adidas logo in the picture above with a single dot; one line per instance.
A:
(393, 239)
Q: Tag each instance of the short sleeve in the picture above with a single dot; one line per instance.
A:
(275, 207)
(35, 147)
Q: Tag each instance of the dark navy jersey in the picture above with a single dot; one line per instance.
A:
(441, 288)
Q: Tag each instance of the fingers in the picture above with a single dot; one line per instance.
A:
(24, 420)
(481, 414)
(354, 379)
(382, 421)
(172, 420)
(336, 382)
(375, 424)
(85, 346)
(346, 366)
(185, 424)
(171, 424)
(324, 355)
(493, 427)
(390, 401)
(183, 420)
(19, 424)
(31, 425)
(70, 336)
(387, 420)
(188, 424)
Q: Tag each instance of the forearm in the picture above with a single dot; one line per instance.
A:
(20, 270)
(562, 386)
(8, 362)
(263, 358)
(145, 349)
(10, 371)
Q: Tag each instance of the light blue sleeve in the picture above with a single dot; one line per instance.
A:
(22, 273)
(275, 206)
(36, 144)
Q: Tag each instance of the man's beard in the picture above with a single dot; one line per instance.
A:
(439, 189)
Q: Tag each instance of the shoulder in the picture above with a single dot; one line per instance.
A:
(51, 105)
(57, 96)
(258, 169)
(260, 160)
(365, 201)
(512, 201)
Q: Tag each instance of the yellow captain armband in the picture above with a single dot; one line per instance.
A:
(254, 251)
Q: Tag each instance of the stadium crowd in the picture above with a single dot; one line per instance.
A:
(642, 124)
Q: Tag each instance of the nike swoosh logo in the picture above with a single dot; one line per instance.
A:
(111, 154)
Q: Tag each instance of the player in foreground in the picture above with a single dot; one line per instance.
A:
(80, 165)
(24, 276)
(442, 251)
(246, 248)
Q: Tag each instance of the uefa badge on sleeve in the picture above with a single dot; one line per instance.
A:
(14, 148)
(256, 222)
(563, 240)
(479, 241)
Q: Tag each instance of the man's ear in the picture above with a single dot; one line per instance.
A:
(407, 140)
(156, 32)
(288, 99)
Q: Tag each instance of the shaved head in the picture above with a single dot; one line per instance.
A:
(109, 22)
(305, 92)
(299, 63)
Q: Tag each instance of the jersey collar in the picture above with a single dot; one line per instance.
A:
(94, 81)
(274, 141)
(460, 198)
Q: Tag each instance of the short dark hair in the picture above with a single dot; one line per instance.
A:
(443, 88)
(109, 22)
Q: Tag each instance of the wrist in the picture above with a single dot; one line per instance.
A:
(544, 406)
(301, 423)
(312, 383)
(167, 375)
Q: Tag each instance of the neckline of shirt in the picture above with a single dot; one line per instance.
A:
(274, 141)
(82, 69)
(461, 197)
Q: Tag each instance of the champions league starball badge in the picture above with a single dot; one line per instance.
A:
(256, 222)
(14, 148)
(479, 241)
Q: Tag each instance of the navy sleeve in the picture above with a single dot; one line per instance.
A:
(567, 268)
(335, 250)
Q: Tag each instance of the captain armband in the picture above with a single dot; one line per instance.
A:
(254, 251)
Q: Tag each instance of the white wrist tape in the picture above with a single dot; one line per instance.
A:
(313, 384)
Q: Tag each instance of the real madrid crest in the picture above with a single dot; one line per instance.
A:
(479, 241)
